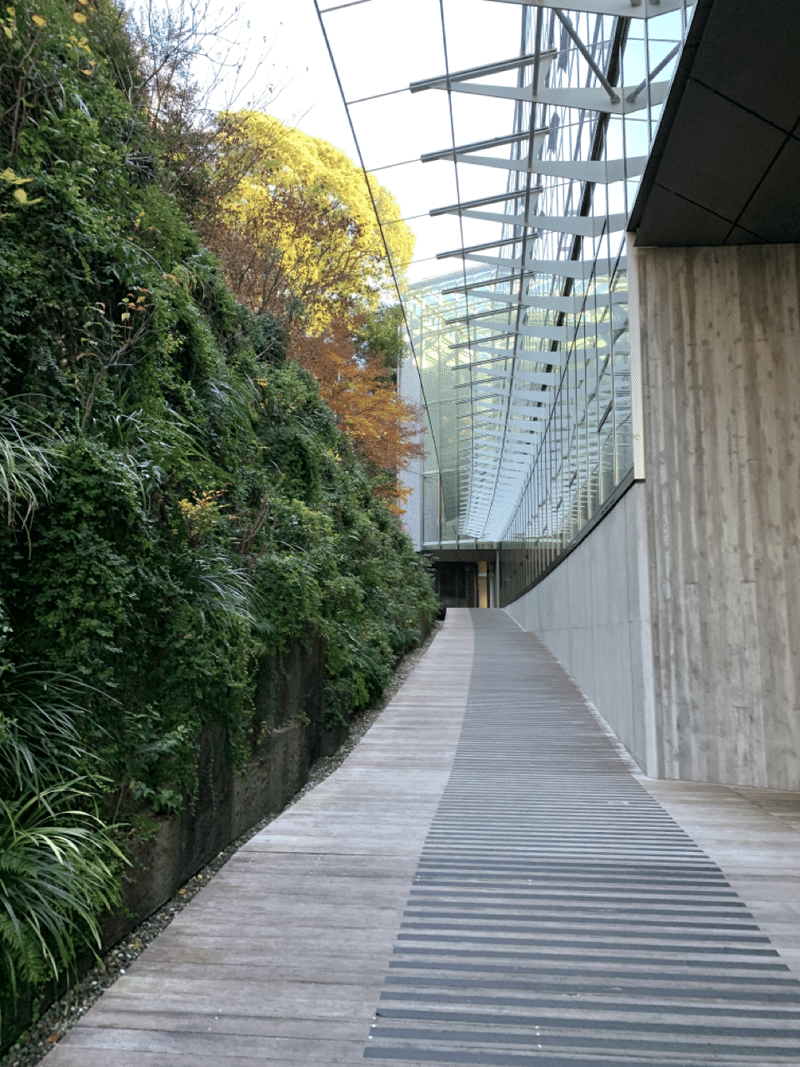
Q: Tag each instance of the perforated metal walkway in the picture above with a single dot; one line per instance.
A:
(484, 882)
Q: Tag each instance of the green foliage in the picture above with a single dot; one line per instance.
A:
(381, 339)
(54, 882)
(25, 470)
(202, 508)
(177, 501)
(59, 867)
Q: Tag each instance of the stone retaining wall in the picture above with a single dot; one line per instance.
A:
(290, 711)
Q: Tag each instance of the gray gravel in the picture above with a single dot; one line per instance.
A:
(37, 1042)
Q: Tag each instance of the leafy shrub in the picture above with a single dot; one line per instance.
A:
(59, 868)
(196, 507)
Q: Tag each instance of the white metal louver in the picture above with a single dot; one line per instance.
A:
(523, 348)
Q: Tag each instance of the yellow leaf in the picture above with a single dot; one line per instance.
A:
(79, 17)
(20, 195)
(14, 179)
(39, 20)
(7, 31)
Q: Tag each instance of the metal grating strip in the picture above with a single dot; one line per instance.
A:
(559, 916)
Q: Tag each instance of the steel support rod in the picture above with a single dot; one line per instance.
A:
(587, 55)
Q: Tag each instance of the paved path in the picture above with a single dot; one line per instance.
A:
(485, 882)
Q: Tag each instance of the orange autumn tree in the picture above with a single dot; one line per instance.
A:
(297, 238)
(359, 385)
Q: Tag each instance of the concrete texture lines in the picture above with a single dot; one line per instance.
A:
(486, 882)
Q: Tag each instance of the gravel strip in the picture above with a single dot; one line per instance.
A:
(35, 1043)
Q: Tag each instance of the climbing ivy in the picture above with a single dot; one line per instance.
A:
(177, 501)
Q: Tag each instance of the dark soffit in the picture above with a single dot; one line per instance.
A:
(725, 163)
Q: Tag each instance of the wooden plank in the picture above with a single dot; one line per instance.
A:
(544, 905)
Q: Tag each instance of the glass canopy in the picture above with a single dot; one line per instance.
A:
(523, 348)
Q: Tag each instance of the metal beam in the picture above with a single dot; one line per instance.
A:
(588, 99)
(574, 305)
(477, 146)
(481, 340)
(587, 55)
(509, 376)
(484, 71)
(515, 279)
(557, 358)
(546, 380)
(548, 356)
(582, 225)
(469, 317)
(483, 201)
(631, 9)
(502, 219)
(501, 243)
(578, 268)
(507, 263)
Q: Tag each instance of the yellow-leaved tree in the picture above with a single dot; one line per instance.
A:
(297, 233)
(297, 236)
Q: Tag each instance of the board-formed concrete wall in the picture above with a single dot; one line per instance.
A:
(720, 345)
(291, 734)
(593, 614)
(679, 614)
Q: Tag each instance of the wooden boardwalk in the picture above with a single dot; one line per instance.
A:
(485, 881)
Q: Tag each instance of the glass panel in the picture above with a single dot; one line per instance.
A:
(527, 385)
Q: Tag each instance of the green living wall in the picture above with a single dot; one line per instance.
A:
(177, 500)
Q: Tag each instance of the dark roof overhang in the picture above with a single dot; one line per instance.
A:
(725, 163)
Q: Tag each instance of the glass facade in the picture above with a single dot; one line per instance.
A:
(440, 348)
(524, 353)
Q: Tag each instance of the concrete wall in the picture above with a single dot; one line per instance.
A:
(290, 734)
(593, 613)
(679, 615)
(721, 374)
(290, 711)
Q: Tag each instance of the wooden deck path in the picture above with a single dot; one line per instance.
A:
(485, 881)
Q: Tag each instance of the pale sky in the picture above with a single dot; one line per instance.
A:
(379, 47)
